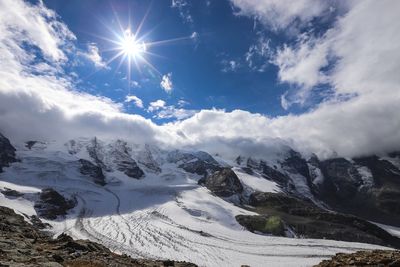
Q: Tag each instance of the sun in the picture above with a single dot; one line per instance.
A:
(132, 47)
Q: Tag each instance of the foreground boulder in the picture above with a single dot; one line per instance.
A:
(52, 204)
(7, 152)
(23, 244)
(364, 258)
(310, 221)
(223, 183)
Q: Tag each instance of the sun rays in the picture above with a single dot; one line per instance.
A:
(133, 47)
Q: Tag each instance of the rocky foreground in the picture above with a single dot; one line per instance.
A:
(23, 244)
(381, 258)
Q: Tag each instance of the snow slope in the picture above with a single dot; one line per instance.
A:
(164, 215)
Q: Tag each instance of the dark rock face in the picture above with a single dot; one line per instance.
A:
(11, 193)
(384, 258)
(96, 153)
(30, 144)
(342, 180)
(114, 156)
(295, 163)
(199, 162)
(224, 183)
(268, 172)
(367, 187)
(131, 169)
(146, 158)
(124, 162)
(344, 189)
(7, 152)
(308, 220)
(23, 244)
(52, 204)
(93, 171)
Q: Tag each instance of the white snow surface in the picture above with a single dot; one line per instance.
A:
(165, 215)
(256, 182)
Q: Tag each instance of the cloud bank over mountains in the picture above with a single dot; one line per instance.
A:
(38, 99)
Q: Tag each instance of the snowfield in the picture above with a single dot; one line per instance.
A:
(165, 215)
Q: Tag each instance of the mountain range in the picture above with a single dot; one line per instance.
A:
(147, 201)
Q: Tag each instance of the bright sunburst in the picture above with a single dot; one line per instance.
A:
(132, 47)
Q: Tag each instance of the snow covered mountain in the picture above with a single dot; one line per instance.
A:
(212, 210)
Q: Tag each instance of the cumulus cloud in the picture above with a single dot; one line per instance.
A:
(136, 100)
(36, 24)
(172, 112)
(93, 55)
(156, 105)
(163, 111)
(36, 103)
(166, 82)
(301, 65)
(40, 101)
(280, 14)
(362, 116)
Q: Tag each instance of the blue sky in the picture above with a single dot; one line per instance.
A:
(208, 71)
(319, 75)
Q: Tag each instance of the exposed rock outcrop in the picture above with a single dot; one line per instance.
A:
(383, 258)
(11, 193)
(7, 152)
(368, 187)
(109, 157)
(198, 162)
(120, 158)
(93, 171)
(223, 183)
(52, 204)
(22, 244)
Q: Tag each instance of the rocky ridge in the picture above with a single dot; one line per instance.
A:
(381, 258)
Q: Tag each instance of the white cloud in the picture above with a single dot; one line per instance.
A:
(136, 100)
(182, 103)
(166, 82)
(280, 14)
(135, 84)
(194, 35)
(229, 65)
(156, 105)
(170, 112)
(93, 55)
(258, 55)
(301, 65)
(183, 8)
(36, 103)
(41, 103)
(21, 22)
